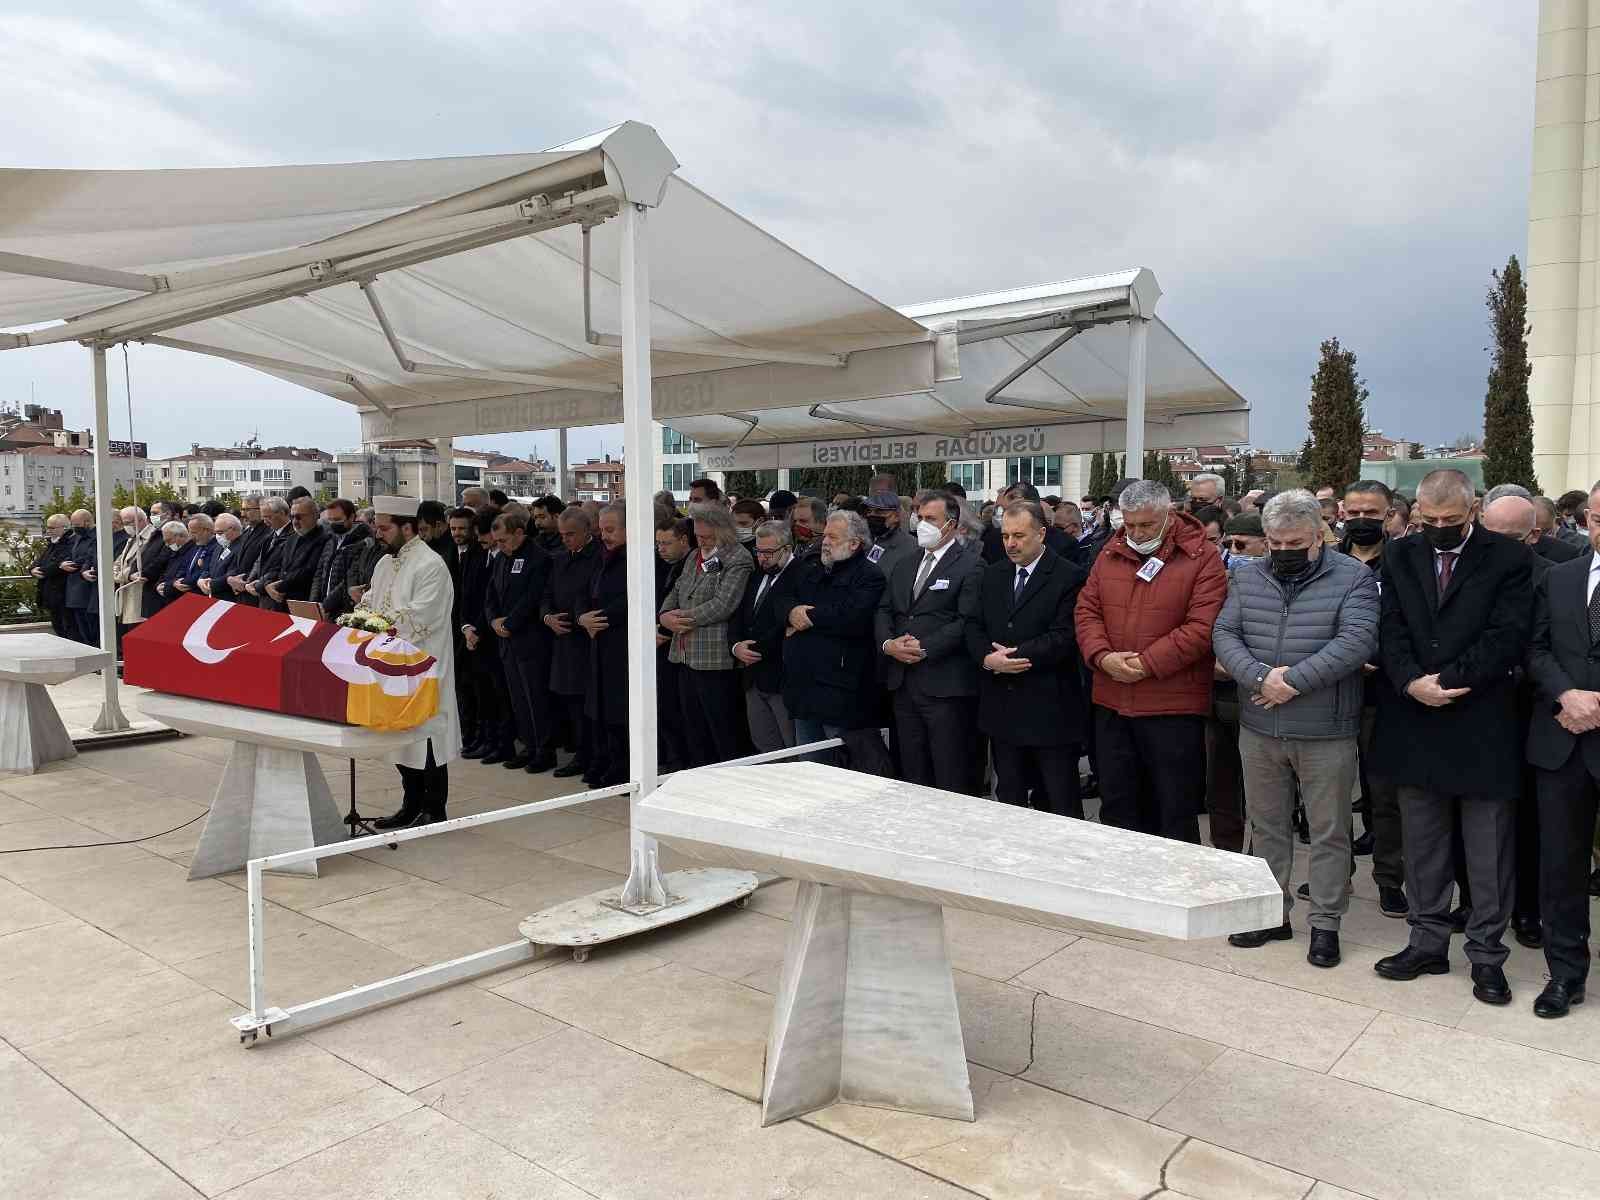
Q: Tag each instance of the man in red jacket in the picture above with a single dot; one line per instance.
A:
(1144, 625)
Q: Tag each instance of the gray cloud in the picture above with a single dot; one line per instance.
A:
(1290, 172)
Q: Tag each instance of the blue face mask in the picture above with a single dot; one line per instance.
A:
(1237, 561)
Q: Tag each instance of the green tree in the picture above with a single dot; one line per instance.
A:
(230, 500)
(827, 482)
(18, 597)
(1122, 468)
(1096, 471)
(67, 505)
(1247, 474)
(1507, 418)
(1303, 463)
(1416, 453)
(324, 496)
(1230, 481)
(1338, 412)
(144, 495)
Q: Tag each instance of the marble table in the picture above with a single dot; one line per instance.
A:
(866, 1008)
(31, 732)
(273, 795)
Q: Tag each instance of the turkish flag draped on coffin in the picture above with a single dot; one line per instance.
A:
(235, 654)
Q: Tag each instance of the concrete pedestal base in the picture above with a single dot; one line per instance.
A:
(270, 800)
(31, 732)
(866, 1010)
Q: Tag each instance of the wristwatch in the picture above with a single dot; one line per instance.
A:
(1261, 675)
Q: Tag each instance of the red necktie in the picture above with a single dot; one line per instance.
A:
(1447, 567)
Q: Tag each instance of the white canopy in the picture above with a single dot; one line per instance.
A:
(332, 276)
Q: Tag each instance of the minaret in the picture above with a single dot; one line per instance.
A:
(1562, 238)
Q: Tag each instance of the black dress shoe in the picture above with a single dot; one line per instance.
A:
(1458, 919)
(1392, 902)
(474, 751)
(1558, 996)
(494, 759)
(401, 820)
(1528, 931)
(1410, 963)
(1260, 937)
(538, 766)
(1362, 846)
(1489, 984)
(515, 763)
(572, 769)
(1324, 950)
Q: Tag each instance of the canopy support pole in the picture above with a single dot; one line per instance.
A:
(645, 889)
(111, 718)
(561, 463)
(1138, 345)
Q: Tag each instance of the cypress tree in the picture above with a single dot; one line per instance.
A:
(1097, 474)
(1507, 419)
(1338, 418)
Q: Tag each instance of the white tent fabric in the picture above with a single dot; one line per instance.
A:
(728, 299)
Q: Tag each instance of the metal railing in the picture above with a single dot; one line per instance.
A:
(262, 1016)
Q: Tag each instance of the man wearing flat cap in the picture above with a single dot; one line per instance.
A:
(891, 544)
(412, 586)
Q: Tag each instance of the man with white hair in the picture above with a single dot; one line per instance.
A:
(125, 571)
(1144, 625)
(175, 534)
(1205, 489)
(1457, 600)
(214, 583)
(1294, 634)
(48, 570)
(83, 622)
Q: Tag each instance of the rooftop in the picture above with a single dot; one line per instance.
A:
(1103, 1066)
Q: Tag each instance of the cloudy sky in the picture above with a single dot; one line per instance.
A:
(1290, 171)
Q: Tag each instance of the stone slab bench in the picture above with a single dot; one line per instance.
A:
(866, 1009)
(31, 730)
(273, 795)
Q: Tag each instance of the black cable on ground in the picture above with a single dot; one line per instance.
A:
(91, 845)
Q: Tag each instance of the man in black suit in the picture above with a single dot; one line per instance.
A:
(268, 564)
(674, 540)
(994, 550)
(922, 630)
(497, 722)
(465, 554)
(566, 595)
(1454, 624)
(1030, 695)
(245, 551)
(756, 633)
(1548, 546)
(60, 539)
(605, 620)
(511, 609)
(1564, 748)
(297, 563)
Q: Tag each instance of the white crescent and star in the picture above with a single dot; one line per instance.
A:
(197, 639)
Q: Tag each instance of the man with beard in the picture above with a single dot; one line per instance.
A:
(806, 519)
(292, 579)
(345, 533)
(546, 513)
(674, 538)
(829, 651)
(412, 586)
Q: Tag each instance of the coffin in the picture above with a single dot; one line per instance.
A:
(236, 654)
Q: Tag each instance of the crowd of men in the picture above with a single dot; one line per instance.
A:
(1275, 663)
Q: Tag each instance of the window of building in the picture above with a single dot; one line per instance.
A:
(255, 476)
(968, 474)
(183, 472)
(1042, 470)
(676, 477)
(60, 473)
(77, 474)
(673, 442)
(60, 492)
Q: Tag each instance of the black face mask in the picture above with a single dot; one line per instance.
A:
(1290, 562)
(338, 527)
(1445, 537)
(877, 525)
(1364, 531)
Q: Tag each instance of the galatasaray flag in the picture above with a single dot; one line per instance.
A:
(236, 654)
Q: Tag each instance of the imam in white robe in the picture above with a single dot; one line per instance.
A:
(414, 588)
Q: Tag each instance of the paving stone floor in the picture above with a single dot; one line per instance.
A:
(1102, 1065)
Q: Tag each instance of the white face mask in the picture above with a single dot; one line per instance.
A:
(929, 535)
(1116, 519)
(1152, 545)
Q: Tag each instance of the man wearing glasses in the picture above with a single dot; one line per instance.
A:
(757, 632)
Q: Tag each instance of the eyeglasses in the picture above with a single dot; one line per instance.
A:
(1238, 544)
(760, 553)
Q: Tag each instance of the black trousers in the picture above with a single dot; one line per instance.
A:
(1225, 778)
(935, 736)
(671, 748)
(529, 700)
(466, 693)
(713, 715)
(63, 624)
(1486, 825)
(1150, 773)
(1043, 777)
(425, 788)
(497, 721)
(86, 626)
(1383, 813)
(1566, 801)
(587, 754)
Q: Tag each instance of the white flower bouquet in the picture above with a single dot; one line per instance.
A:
(366, 619)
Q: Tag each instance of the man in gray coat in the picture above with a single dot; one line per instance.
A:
(1294, 634)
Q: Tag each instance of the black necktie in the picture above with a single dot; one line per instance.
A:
(1594, 616)
(1022, 583)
